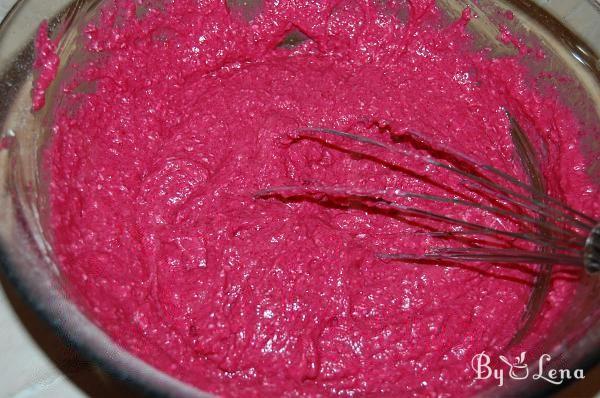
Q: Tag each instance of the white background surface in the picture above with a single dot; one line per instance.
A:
(35, 363)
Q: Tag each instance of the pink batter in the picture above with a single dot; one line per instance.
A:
(185, 111)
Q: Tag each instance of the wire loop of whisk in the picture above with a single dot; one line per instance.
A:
(592, 251)
(569, 237)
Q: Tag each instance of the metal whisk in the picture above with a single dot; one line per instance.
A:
(553, 232)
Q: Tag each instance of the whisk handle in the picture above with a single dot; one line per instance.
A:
(591, 256)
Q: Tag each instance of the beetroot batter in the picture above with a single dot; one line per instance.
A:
(184, 111)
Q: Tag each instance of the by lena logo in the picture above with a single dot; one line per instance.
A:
(519, 370)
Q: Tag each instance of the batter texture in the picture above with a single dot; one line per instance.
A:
(183, 110)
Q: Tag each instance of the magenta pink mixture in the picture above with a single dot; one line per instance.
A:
(184, 111)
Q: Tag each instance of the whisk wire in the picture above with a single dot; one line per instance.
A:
(552, 224)
(572, 238)
(534, 192)
(487, 254)
(481, 180)
(376, 197)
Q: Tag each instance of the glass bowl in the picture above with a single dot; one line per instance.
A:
(26, 256)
